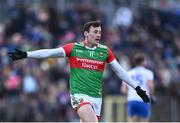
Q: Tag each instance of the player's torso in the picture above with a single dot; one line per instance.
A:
(140, 75)
(81, 57)
(87, 66)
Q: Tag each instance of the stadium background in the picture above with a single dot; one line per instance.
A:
(37, 90)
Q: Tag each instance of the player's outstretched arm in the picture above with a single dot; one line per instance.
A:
(122, 74)
(44, 53)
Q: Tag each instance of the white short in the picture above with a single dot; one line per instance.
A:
(77, 100)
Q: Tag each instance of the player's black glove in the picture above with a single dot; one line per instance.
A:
(142, 94)
(17, 54)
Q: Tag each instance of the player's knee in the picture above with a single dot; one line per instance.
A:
(87, 114)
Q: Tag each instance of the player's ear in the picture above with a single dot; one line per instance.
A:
(86, 33)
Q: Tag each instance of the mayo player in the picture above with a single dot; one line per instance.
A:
(87, 61)
(138, 111)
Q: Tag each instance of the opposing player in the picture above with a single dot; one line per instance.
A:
(136, 109)
(87, 62)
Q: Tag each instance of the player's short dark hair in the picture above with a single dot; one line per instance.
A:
(88, 25)
(139, 59)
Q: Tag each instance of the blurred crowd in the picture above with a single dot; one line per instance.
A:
(37, 90)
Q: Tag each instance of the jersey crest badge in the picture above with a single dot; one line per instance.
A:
(101, 54)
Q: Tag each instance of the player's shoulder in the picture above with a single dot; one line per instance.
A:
(79, 43)
(102, 46)
(147, 70)
(138, 69)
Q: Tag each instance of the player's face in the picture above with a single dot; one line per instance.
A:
(94, 35)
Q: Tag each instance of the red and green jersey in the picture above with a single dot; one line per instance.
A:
(87, 67)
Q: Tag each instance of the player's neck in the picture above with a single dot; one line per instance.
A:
(140, 66)
(89, 45)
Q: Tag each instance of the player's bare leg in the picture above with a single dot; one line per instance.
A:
(87, 114)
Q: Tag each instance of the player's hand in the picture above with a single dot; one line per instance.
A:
(17, 54)
(142, 94)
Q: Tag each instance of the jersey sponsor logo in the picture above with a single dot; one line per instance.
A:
(76, 62)
(79, 51)
(89, 60)
(89, 66)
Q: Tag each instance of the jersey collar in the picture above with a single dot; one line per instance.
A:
(93, 48)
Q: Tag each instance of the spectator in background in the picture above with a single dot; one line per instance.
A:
(123, 17)
(30, 85)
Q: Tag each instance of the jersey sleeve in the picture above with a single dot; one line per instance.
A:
(110, 56)
(67, 48)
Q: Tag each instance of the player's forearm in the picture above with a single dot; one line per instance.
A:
(46, 53)
(151, 87)
(121, 73)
